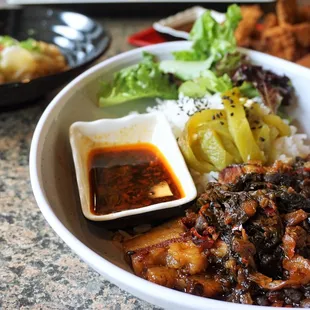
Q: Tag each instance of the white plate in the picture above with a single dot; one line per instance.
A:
(167, 25)
(53, 179)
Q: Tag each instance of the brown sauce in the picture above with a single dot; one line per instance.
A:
(130, 177)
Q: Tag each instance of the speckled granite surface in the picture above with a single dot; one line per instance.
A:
(37, 270)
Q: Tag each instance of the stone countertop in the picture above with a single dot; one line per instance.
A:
(37, 269)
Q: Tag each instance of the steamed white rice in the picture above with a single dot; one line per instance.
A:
(178, 112)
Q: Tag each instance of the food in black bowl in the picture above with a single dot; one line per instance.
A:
(50, 47)
(29, 59)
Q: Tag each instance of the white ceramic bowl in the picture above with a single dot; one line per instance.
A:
(53, 178)
(150, 128)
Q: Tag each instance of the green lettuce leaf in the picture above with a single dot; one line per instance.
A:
(7, 41)
(211, 39)
(248, 90)
(229, 63)
(143, 80)
(206, 84)
(185, 70)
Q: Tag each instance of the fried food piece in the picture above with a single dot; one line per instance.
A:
(250, 16)
(304, 61)
(301, 52)
(304, 14)
(270, 21)
(280, 41)
(302, 33)
(257, 45)
(286, 11)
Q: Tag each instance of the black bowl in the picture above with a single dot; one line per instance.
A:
(81, 40)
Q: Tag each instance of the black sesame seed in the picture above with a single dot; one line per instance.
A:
(260, 127)
(253, 128)
(232, 114)
(233, 106)
(213, 117)
(222, 123)
(262, 139)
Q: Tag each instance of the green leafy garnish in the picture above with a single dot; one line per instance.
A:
(143, 80)
(206, 84)
(211, 39)
(229, 63)
(30, 45)
(185, 70)
(193, 89)
(248, 90)
(214, 48)
(7, 41)
(203, 67)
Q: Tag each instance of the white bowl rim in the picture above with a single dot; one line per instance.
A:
(138, 286)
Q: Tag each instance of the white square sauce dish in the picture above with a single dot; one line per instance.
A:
(98, 173)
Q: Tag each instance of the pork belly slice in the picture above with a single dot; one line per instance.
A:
(185, 257)
(160, 234)
(202, 285)
(166, 255)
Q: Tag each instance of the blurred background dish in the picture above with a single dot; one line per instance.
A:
(80, 39)
(181, 24)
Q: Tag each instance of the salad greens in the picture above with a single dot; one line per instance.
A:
(229, 63)
(248, 90)
(143, 80)
(208, 83)
(214, 47)
(275, 90)
(185, 70)
(213, 64)
(212, 40)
